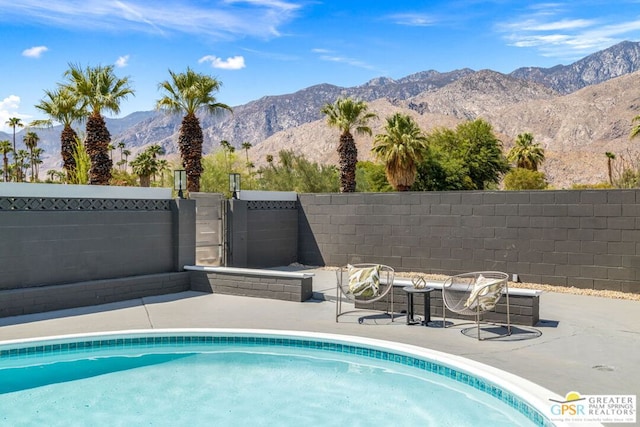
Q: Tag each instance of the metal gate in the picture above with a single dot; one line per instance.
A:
(211, 214)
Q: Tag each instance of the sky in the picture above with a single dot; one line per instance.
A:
(272, 47)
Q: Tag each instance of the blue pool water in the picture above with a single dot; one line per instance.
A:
(240, 379)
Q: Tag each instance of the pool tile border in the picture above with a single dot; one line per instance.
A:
(187, 340)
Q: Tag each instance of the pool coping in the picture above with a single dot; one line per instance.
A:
(535, 396)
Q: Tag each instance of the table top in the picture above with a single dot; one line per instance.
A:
(414, 290)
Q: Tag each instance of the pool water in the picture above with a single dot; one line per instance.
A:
(233, 385)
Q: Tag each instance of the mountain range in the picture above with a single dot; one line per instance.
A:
(577, 112)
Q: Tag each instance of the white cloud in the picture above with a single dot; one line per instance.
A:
(412, 19)
(551, 31)
(332, 56)
(232, 63)
(34, 52)
(122, 61)
(223, 19)
(8, 108)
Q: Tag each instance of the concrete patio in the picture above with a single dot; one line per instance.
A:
(587, 344)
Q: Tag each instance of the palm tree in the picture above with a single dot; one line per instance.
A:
(15, 122)
(126, 154)
(610, 158)
(525, 154)
(186, 93)
(346, 114)
(52, 173)
(121, 146)
(163, 166)
(30, 140)
(5, 148)
(37, 160)
(65, 107)
(21, 165)
(144, 165)
(246, 146)
(101, 90)
(154, 151)
(401, 148)
(228, 149)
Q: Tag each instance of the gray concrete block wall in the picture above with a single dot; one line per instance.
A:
(58, 297)
(51, 248)
(524, 310)
(254, 285)
(40, 247)
(262, 234)
(582, 238)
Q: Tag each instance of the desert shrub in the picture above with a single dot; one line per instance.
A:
(524, 179)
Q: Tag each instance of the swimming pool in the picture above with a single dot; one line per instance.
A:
(231, 377)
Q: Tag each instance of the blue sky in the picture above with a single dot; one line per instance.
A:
(272, 47)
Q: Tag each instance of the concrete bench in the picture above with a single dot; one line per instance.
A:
(524, 304)
(251, 282)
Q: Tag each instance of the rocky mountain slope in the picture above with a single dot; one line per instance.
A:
(618, 60)
(534, 100)
(575, 130)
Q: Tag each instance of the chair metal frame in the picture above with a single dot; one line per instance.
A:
(457, 291)
(387, 276)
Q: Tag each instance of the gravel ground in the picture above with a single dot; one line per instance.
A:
(550, 288)
(537, 286)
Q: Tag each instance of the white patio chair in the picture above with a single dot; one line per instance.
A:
(472, 294)
(364, 284)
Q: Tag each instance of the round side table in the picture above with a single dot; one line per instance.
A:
(426, 293)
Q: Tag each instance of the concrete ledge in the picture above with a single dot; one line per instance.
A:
(272, 284)
(16, 302)
(524, 304)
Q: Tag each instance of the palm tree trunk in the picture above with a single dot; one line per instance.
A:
(98, 139)
(190, 143)
(67, 142)
(348, 157)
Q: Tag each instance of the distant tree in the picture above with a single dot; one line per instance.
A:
(30, 140)
(21, 165)
(5, 149)
(144, 165)
(227, 149)
(121, 147)
(126, 154)
(163, 166)
(296, 173)
(442, 170)
(401, 148)
(36, 158)
(610, 158)
(187, 93)
(346, 114)
(65, 107)
(467, 158)
(154, 151)
(481, 152)
(246, 146)
(371, 177)
(525, 154)
(101, 90)
(15, 122)
(524, 179)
